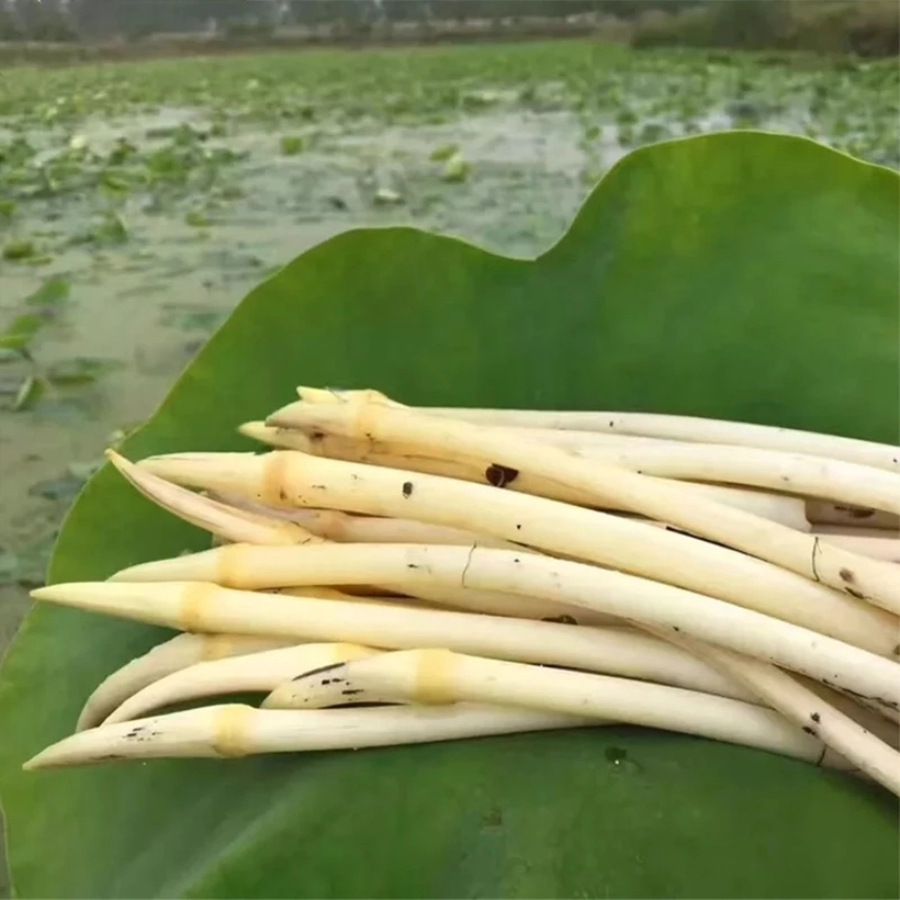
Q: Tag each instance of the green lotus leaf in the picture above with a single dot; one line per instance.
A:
(740, 275)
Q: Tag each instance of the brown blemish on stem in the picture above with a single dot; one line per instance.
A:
(274, 480)
(364, 415)
(847, 576)
(317, 671)
(856, 512)
(500, 476)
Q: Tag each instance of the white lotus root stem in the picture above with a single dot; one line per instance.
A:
(473, 572)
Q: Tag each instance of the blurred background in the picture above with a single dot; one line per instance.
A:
(867, 27)
(158, 158)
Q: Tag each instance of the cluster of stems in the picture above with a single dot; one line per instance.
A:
(475, 572)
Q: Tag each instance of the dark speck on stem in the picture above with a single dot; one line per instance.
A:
(407, 488)
(321, 669)
(500, 476)
(562, 620)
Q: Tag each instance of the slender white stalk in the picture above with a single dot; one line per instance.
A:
(806, 709)
(664, 501)
(192, 605)
(780, 508)
(436, 677)
(841, 665)
(234, 730)
(348, 529)
(585, 442)
(868, 542)
(801, 513)
(228, 522)
(461, 598)
(262, 525)
(180, 652)
(257, 672)
(319, 593)
(334, 525)
(690, 428)
(705, 468)
(356, 593)
(286, 477)
(789, 473)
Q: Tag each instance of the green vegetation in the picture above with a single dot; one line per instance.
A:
(863, 27)
(159, 193)
(711, 295)
(186, 180)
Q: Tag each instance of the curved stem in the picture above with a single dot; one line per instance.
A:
(201, 605)
(664, 501)
(228, 522)
(289, 478)
(441, 677)
(705, 468)
(762, 637)
(234, 730)
(807, 709)
(689, 428)
(261, 525)
(254, 672)
(780, 508)
(181, 651)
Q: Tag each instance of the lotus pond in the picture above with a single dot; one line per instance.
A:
(139, 202)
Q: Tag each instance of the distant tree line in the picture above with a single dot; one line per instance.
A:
(97, 19)
(867, 27)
